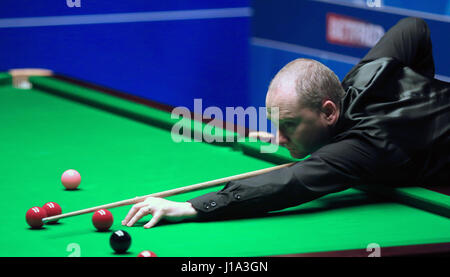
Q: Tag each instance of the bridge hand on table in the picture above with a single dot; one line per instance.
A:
(159, 208)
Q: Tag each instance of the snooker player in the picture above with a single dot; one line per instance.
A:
(388, 123)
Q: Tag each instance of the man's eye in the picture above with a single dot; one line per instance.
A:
(289, 125)
(286, 127)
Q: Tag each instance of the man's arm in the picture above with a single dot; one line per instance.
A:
(332, 168)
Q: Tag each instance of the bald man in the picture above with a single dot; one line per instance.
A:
(388, 123)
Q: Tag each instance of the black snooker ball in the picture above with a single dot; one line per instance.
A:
(120, 241)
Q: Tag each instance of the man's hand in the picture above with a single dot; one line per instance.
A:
(159, 208)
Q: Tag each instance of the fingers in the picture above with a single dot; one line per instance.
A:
(132, 212)
(155, 219)
(159, 208)
(140, 214)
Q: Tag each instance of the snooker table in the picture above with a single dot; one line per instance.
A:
(122, 147)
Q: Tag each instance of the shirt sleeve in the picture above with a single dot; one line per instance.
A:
(332, 168)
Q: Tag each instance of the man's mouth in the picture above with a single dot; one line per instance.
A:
(291, 149)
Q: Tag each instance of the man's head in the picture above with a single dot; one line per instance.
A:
(307, 95)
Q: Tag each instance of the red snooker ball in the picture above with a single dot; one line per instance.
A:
(102, 219)
(147, 254)
(34, 217)
(52, 209)
(71, 179)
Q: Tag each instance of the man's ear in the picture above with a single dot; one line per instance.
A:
(330, 111)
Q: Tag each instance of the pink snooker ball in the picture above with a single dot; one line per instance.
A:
(71, 179)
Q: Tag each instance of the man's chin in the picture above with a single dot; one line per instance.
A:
(297, 155)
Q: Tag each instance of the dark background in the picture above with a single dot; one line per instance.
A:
(223, 51)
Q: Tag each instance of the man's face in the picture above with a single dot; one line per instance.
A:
(300, 129)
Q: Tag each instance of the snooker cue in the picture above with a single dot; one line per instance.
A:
(169, 192)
